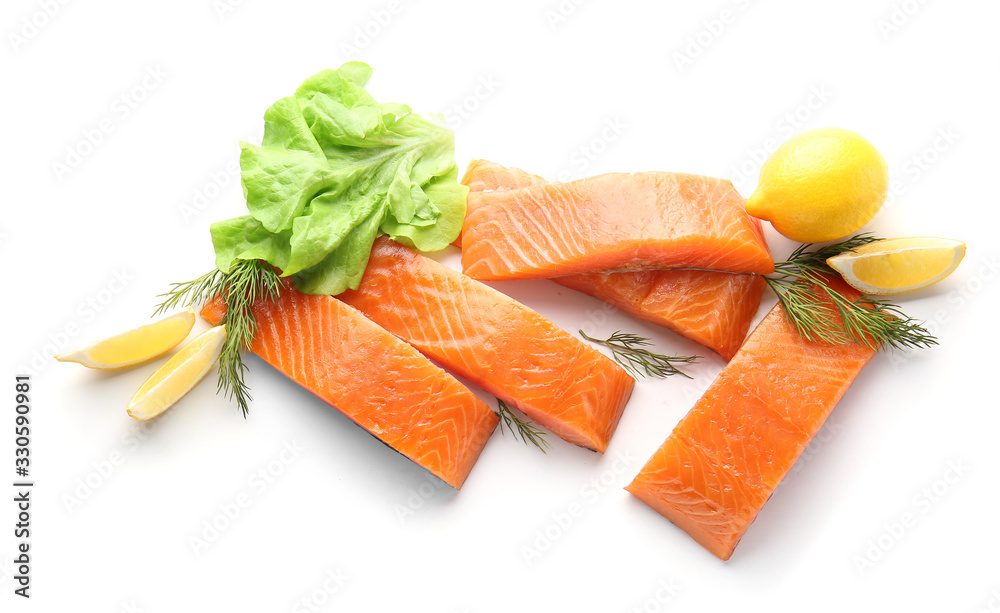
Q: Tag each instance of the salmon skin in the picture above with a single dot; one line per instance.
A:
(724, 459)
(506, 348)
(612, 223)
(384, 385)
(714, 309)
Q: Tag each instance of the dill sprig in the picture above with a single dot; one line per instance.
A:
(802, 260)
(526, 429)
(192, 293)
(247, 282)
(630, 351)
(814, 309)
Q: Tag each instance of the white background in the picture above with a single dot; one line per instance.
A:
(695, 87)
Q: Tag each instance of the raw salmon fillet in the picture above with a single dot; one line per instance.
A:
(723, 461)
(714, 309)
(506, 348)
(483, 176)
(384, 385)
(611, 223)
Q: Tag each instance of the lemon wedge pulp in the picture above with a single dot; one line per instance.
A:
(136, 346)
(898, 265)
(179, 375)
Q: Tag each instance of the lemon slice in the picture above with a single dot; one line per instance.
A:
(898, 265)
(135, 346)
(179, 375)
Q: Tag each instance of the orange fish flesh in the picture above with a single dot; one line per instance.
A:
(725, 458)
(490, 339)
(383, 384)
(612, 223)
(714, 309)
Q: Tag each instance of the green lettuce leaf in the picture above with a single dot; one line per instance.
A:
(448, 197)
(335, 170)
(246, 238)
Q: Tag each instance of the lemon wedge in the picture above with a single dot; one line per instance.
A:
(898, 265)
(135, 346)
(179, 375)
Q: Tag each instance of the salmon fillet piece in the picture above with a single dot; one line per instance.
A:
(506, 348)
(383, 384)
(612, 223)
(714, 309)
(483, 176)
(724, 459)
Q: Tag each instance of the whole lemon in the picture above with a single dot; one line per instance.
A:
(821, 185)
